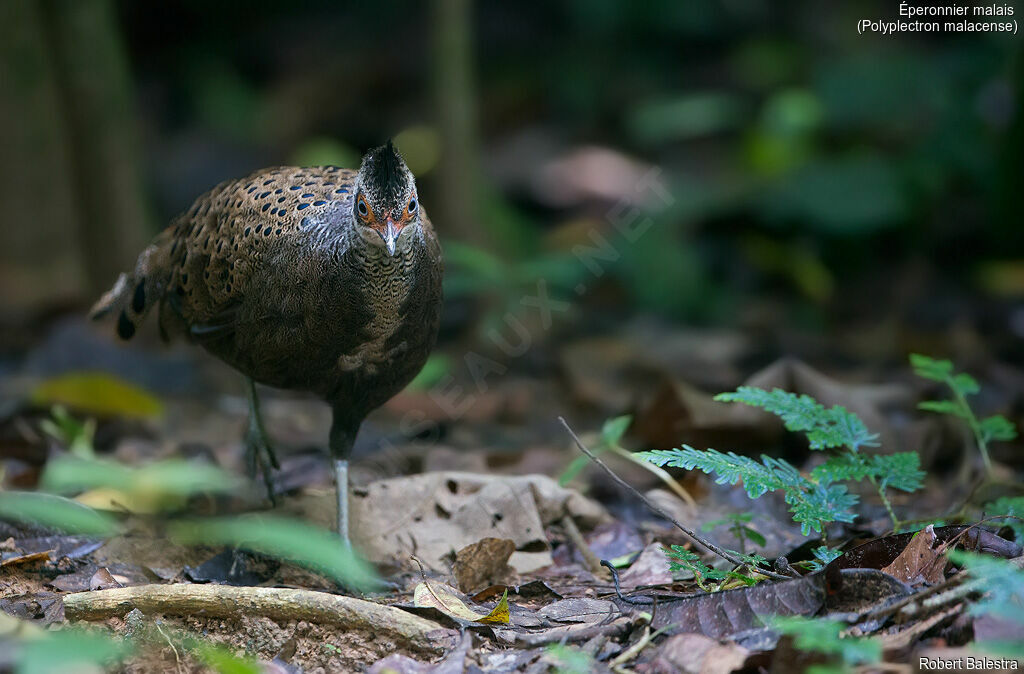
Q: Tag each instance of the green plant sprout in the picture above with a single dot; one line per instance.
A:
(739, 526)
(820, 497)
(1012, 508)
(826, 637)
(611, 437)
(1002, 582)
(77, 436)
(822, 556)
(996, 427)
(681, 559)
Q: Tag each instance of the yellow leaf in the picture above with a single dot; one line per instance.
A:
(134, 501)
(97, 393)
(444, 599)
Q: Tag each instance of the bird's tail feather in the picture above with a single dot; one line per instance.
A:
(133, 294)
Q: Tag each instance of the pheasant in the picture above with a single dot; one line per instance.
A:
(321, 279)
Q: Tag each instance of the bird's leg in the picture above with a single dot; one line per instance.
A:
(258, 451)
(342, 438)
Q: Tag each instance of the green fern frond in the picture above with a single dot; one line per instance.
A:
(824, 428)
(729, 468)
(900, 471)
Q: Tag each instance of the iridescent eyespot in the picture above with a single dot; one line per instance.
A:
(361, 206)
(413, 205)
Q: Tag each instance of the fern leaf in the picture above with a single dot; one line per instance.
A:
(728, 468)
(931, 368)
(900, 471)
(949, 407)
(820, 505)
(824, 428)
(842, 467)
(997, 427)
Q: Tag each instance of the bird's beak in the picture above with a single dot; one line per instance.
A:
(390, 236)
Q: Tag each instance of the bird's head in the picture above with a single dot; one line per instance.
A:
(385, 201)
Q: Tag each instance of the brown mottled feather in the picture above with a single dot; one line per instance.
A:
(270, 274)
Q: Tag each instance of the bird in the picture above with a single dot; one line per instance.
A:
(319, 279)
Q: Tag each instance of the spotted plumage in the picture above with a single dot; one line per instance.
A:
(318, 279)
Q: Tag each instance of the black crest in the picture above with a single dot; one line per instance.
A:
(386, 172)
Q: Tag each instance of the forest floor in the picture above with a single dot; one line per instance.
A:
(487, 524)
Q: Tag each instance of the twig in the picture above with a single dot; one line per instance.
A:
(636, 601)
(170, 643)
(277, 603)
(724, 554)
(632, 651)
(663, 474)
(589, 558)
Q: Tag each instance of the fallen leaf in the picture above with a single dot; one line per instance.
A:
(435, 514)
(920, 561)
(650, 568)
(42, 555)
(97, 393)
(446, 600)
(698, 654)
(721, 614)
(483, 563)
(103, 580)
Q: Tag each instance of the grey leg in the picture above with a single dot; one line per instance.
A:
(259, 453)
(341, 480)
(343, 435)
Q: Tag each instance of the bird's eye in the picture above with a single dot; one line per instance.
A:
(361, 206)
(413, 205)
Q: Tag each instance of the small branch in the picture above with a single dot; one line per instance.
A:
(589, 558)
(222, 601)
(724, 554)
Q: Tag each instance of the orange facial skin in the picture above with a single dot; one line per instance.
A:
(388, 226)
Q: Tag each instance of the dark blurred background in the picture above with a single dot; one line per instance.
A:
(841, 198)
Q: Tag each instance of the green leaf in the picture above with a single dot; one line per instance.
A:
(930, 368)
(69, 650)
(964, 384)
(1004, 585)
(842, 467)
(221, 660)
(755, 536)
(577, 466)
(820, 505)
(824, 428)
(812, 505)
(900, 471)
(1013, 508)
(823, 636)
(614, 429)
(436, 367)
(49, 510)
(286, 539)
(997, 427)
(950, 407)
(162, 484)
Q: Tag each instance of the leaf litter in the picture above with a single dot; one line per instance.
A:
(536, 605)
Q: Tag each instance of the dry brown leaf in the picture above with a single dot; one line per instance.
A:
(483, 563)
(919, 562)
(43, 555)
(433, 515)
(446, 600)
(103, 580)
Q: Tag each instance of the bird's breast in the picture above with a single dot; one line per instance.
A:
(386, 286)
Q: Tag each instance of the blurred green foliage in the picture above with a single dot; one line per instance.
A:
(780, 136)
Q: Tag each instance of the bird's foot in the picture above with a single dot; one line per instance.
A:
(261, 458)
